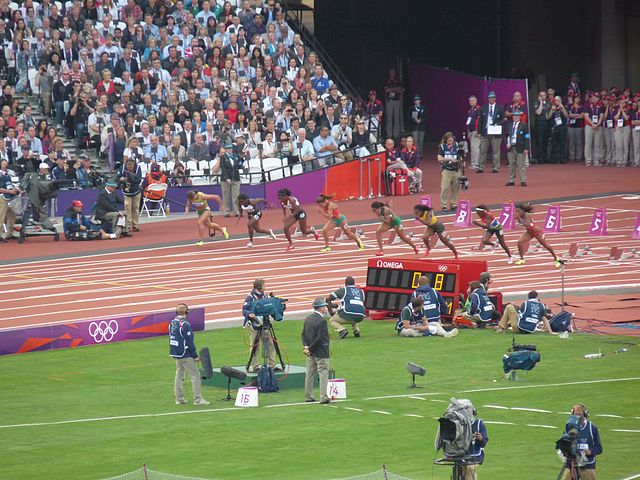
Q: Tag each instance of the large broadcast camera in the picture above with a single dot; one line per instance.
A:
(567, 444)
(265, 308)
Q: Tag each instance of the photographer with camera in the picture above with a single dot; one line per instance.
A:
(526, 318)
(579, 445)
(451, 159)
(79, 114)
(259, 333)
(342, 133)
(350, 310)
(130, 180)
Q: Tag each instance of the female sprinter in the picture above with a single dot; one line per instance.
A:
(205, 224)
(254, 214)
(329, 210)
(492, 226)
(434, 227)
(524, 218)
(389, 221)
(293, 213)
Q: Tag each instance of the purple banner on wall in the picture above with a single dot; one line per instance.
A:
(305, 187)
(445, 94)
(92, 332)
(177, 196)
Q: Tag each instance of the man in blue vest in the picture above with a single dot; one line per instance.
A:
(588, 441)
(433, 306)
(350, 311)
(259, 334)
(413, 322)
(475, 454)
(526, 318)
(480, 307)
(182, 347)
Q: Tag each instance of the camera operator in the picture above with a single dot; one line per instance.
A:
(526, 318)
(343, 135)
(475, 454)
(130, 179)
(64, 173)
(96, 123)
(27, 161)
(587, 443)
(258, 332)
(451, 160)
(88, 177)
(79, 114)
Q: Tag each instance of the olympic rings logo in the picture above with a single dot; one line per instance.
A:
(103, 331)
(442, 268)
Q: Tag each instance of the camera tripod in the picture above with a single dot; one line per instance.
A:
(459, 467)
(261, 338)
(572, 469)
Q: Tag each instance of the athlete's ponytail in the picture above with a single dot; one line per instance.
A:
(422, 208)
(376, 205)
(323, 197)
(284, 192)
(525, 206)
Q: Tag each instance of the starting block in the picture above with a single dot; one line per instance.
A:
(339, 234)
(622, 253)
(578, 250)
(394, 239)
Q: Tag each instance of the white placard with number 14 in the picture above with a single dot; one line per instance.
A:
(337, 388)
(247, 397)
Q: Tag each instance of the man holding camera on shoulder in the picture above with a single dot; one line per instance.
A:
(584, 438)
(258, 332)
(526, 318)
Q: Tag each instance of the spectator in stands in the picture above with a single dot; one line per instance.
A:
(393, 104)
(325, 147)
(176, 152)
(198, 151)
(110, 208)
(133, 151)
(88, 177)
(304, 151)
(156, 152)
(372, 113)
(411, 158)
(342, 133)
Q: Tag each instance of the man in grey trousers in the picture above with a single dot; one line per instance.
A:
(315, 341)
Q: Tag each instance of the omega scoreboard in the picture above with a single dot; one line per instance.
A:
(391, 281)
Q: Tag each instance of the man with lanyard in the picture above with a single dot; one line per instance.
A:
(608, 124)
(622, 132)
(182, 348)
(413, 322)
(257, 331)
(593, 135)
(491, 120)
(418, 127)
(588, 439)
(635, 131)
(576, 130)
(8, 191)
(473, 120)
(526, 318)
(541, 127)
(558, 116)
(517, 149)
(433, 306)
(351, 310)
(393, 104)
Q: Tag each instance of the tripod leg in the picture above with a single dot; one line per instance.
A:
(254, 347)
(277, 347)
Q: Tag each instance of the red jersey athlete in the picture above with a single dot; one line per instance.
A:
(491, 226)
(524, 218)
(329, 210)
(293, 213)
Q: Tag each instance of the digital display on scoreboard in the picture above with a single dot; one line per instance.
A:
(391, 301)
(408, 279)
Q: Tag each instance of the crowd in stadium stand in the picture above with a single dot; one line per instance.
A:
(173, 84)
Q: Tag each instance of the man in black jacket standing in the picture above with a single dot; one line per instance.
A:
(491, 121)
(110, 208)
(315, 341)
(517, 137)
(230, 180)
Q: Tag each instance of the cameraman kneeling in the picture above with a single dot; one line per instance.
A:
(258, 331)
(526, 318)
(78, 227)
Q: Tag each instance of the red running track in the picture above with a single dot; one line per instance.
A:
(219, 275)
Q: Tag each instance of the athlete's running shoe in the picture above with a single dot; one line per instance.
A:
(520, 262)
(510, 260)
(200, 243)
(315, 234)
(225, 233)
(360, 244)
(427, 252)
(290, 247)
(415, 250)
(249, 244)
(557, 263)
(272, 235)
(379, 253)
(325, 249)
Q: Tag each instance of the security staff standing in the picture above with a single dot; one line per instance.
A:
(259, 334)
(182, 347)
(588, 443)
(517, 149)
(558, 118)
(491, 122)
(417, 119)
(526, 318)
(541, 127)
(351, 309)
(315, 343)
(473, 130)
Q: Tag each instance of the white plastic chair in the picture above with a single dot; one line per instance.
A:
(144, 168)
(273, 168)
(296, 169)
(158, 190)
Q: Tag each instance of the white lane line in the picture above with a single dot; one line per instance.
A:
(608, 415)
(410, 395)
(522, 409)
(541, 426)
(624, 430)
(381, 412)
(632, 477)
(419, 398)
(497, 423)
(354, 409)
(545, 385)
(499, 407)
(413, 415)
(438, 401)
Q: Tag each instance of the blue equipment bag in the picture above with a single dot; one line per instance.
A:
(267, 380)
(520, 360)
(561, 322)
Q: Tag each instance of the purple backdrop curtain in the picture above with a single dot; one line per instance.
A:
(445, 94)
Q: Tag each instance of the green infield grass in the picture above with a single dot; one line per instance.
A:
(101, 411)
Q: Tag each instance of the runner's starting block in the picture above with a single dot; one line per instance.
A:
(578, 250)
(622, 253)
